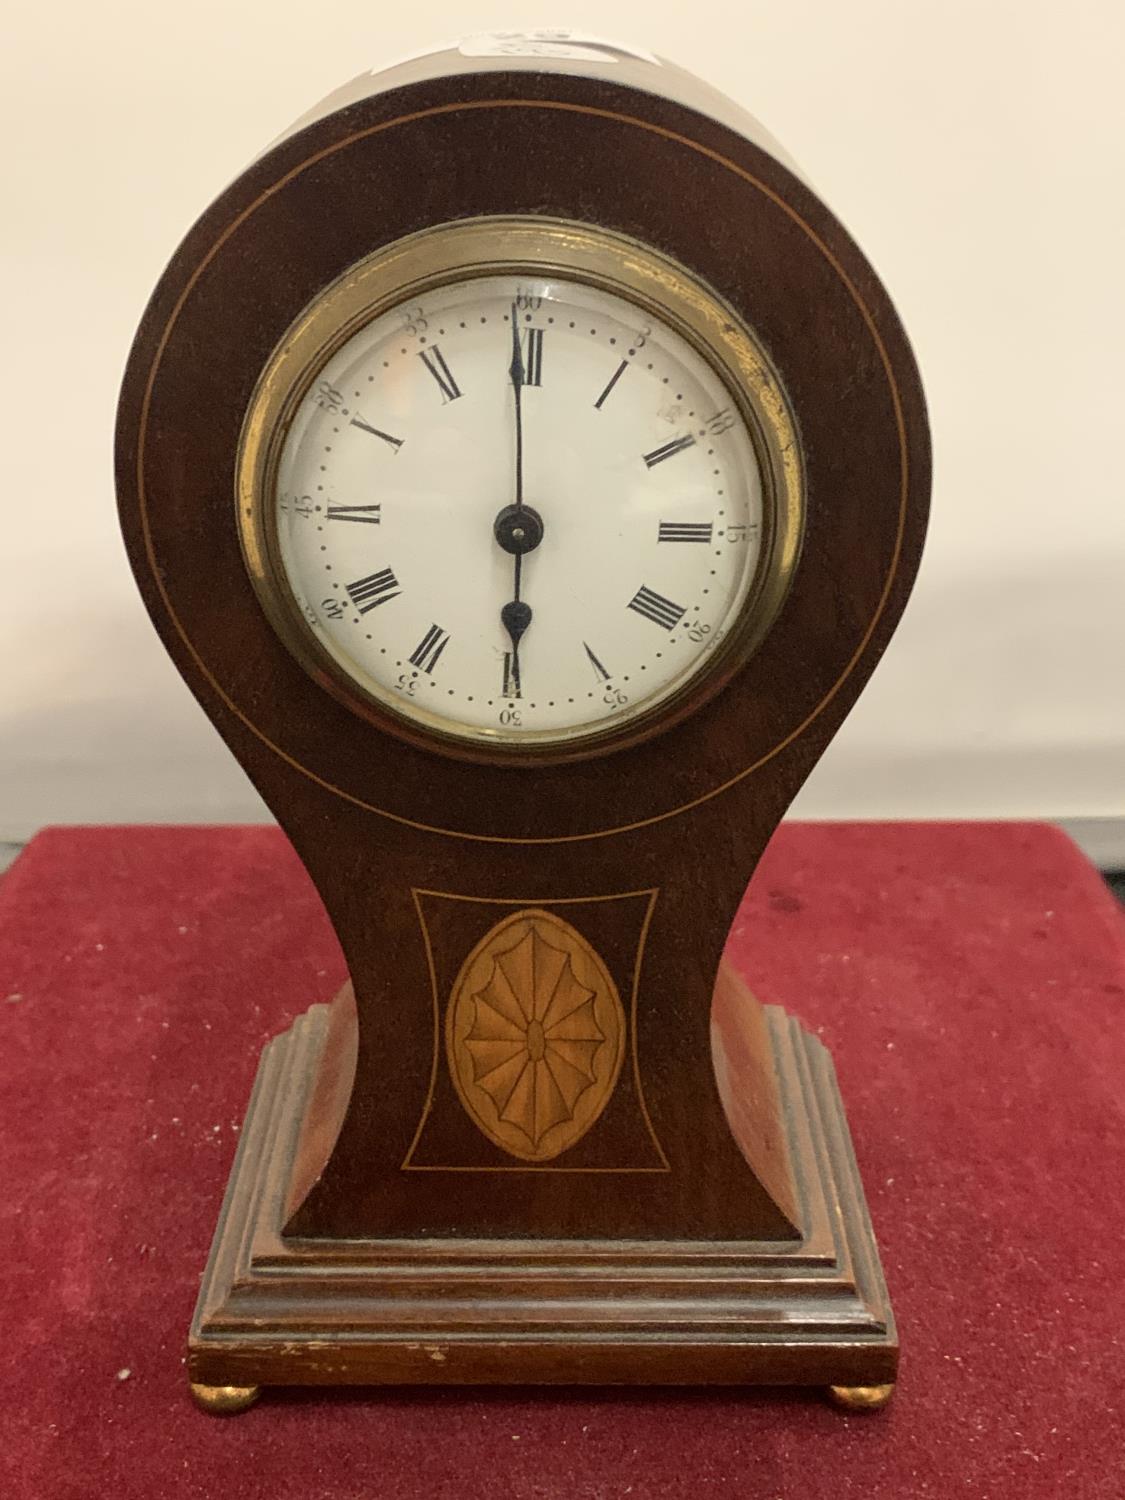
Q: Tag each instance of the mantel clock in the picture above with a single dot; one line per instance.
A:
(525, 471)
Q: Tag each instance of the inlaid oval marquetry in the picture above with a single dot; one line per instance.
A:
(535, 1035)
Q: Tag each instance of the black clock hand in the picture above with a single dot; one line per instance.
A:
(517, 373)
(517, 528)
(515, 618)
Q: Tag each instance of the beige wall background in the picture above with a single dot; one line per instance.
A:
(977, 152)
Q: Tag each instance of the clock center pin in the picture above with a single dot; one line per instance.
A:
(518, 529)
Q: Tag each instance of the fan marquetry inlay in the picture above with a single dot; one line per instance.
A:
(535, 1035)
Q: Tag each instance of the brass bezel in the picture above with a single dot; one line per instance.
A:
(473, 249)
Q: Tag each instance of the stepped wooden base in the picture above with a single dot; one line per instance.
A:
(284, 1311)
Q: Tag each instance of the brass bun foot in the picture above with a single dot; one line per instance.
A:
(861, 1397)
(224, 1400)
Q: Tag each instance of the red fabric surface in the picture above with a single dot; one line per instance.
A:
(969, 980)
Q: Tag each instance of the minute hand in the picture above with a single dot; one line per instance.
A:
(515, 616)
(518, 529)
(517, 374)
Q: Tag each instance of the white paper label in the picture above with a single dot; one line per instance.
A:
(575, 46)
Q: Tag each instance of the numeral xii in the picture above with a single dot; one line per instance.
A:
(533, 361)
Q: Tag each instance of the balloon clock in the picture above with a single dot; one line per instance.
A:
(525, 471)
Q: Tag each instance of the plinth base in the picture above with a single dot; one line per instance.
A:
(277, 1310)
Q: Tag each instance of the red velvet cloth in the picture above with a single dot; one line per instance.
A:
(969, 980)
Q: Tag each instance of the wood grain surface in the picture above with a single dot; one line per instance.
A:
(644, 852)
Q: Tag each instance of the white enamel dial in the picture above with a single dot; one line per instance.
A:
(519, 546)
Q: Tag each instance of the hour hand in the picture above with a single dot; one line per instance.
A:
(515, 618)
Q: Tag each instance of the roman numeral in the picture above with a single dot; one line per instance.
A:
(396, 443)
(613, 379)
(511, 676)
(378, 588)
(429, 648)
(434, 361)
(366, 513)
(656, 608)
(685, 531)
(600, 673)
(533, 360)
(677, 445)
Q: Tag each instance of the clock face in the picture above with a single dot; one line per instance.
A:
(518, 508)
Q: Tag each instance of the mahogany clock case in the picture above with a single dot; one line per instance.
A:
(711, 1176)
